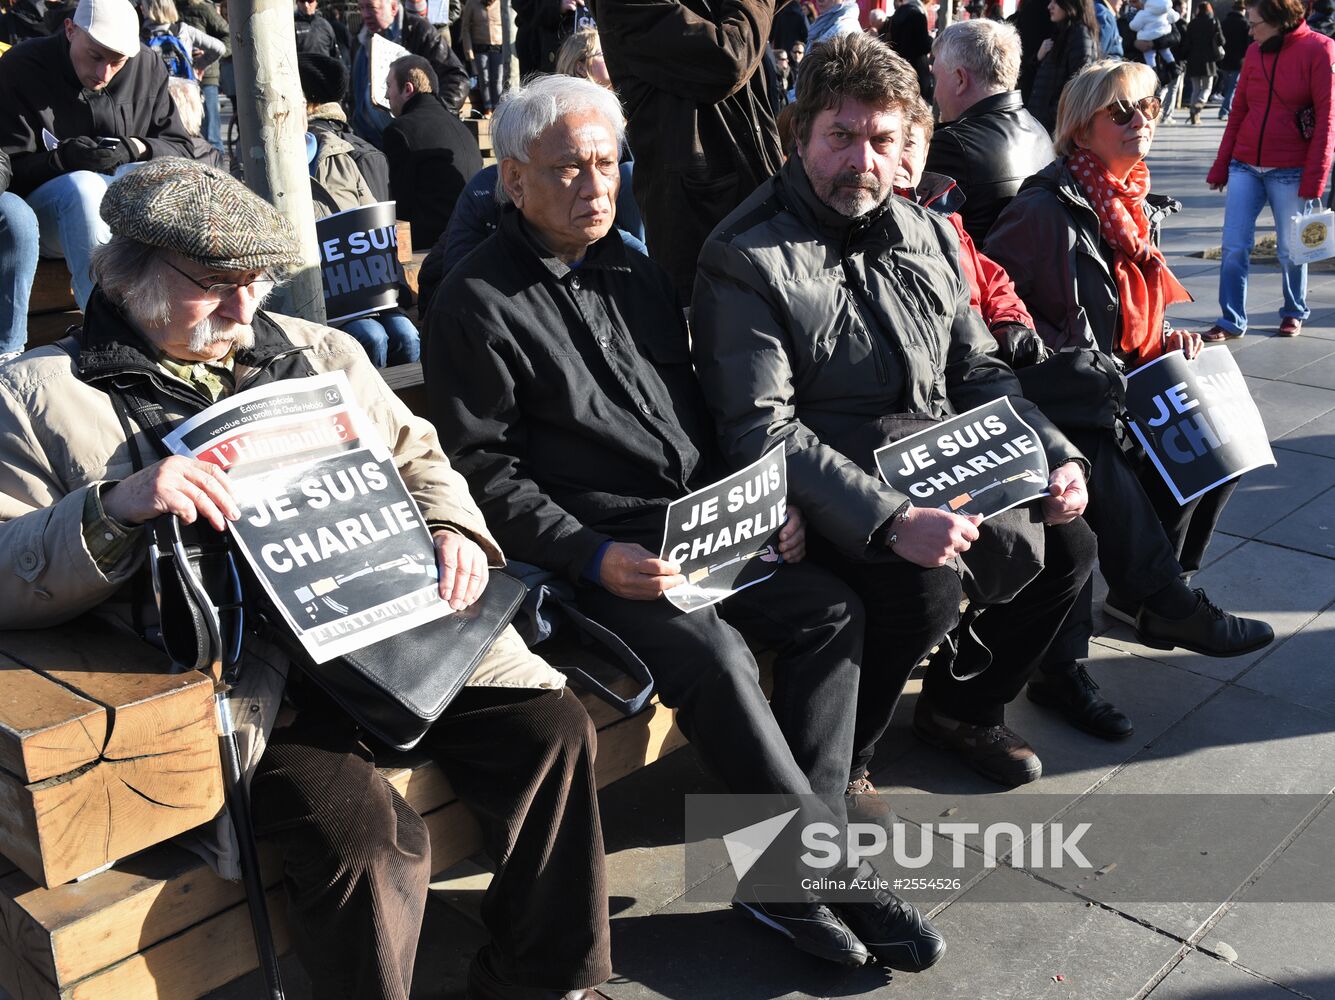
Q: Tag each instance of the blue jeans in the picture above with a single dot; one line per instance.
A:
(389, 338)
(1228, 82)
(18, 265)
(212, 117)
(1249, 189)
(67, 214)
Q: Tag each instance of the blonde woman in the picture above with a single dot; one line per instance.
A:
(582, 55)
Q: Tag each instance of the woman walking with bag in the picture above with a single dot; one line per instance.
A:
(1277, 151)
(1205, 47)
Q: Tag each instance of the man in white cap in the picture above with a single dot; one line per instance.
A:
(76, 109)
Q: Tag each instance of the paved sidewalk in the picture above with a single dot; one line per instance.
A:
(1262, 724)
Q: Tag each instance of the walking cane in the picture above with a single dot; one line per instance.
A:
(223, 665)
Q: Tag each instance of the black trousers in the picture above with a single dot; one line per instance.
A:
(911, 609)
(798, 742)
(1146, 539)
(357, 859)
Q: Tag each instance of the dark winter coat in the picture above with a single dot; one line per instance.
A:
(1204, 38)
(808, 327)
(41, 92)
(1073, 48)
(1237, 39)
(315, 35)
(431, 156)
(689, 75)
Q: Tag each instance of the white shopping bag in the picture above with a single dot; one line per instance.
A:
(1313, 235)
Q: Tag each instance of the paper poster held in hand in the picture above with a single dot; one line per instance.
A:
(359, 261)
(725, 537)
(982, 462)
(1197, 421)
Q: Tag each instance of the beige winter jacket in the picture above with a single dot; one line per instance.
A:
(480, 25)
(60, 438)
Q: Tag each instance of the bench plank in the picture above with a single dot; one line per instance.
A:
(45, 728)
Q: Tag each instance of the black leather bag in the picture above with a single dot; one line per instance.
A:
(396, 688)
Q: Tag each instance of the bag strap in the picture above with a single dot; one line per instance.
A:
(591, 633)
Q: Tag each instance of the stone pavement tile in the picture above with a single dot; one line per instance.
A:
(1303, 670)
(1202, 977)
(1318, 373)
(1284, 406)
(1310, 528)
(1285, 588)
(1320, 324)
(1316, 437)
(1284, 356)
(1289, 942)
(1268, 495)
(1004, 948)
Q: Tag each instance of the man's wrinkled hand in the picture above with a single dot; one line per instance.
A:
(931, 537)
(462, 566)
(186, 487)
(793, 536)
(633, 572)
(1069, 495)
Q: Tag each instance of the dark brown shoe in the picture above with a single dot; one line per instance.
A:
(864, 803)
(995, 752)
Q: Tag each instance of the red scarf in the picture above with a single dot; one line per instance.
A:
(1145, 285)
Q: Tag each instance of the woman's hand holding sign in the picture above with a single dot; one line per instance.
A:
(929, 537)
(1069, 495)
(462, 566)
(633, 572)
(1186, 341)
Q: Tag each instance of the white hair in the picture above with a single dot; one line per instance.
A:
(989, 50)
(527, 112)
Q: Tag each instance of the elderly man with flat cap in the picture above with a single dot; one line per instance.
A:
(175, 319)
(79, 108)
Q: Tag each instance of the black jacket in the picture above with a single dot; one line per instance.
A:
(809, 328)
(1203, 38)
(1048, 241)
(316, 35)
(41, 92)
(431, 156)
(1237, 39)
(989, 150)
(420, 37)
(566, 396)
(689, 75)
(1073, 48)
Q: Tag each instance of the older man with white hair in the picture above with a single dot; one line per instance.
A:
(79, 107)
(559, 372)
(174, 323)
(986, 141)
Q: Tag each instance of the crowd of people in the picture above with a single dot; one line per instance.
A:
(713, 228)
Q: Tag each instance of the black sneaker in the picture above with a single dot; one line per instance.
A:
(1073, 693)
(811, 927)
(893, 930)
(1209, 630)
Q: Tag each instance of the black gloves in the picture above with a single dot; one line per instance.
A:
(1020, 346)
(102, 156)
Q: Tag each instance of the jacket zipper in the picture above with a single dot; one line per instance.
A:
(1269, 97)
(877, 347)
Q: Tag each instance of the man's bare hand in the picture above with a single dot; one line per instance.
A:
(462, 566)
(932, 537)
(177, 485)
(793, 536)
(1069, 495)
(633, 572)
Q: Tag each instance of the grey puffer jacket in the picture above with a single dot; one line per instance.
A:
(1048, 241)
(809, 328)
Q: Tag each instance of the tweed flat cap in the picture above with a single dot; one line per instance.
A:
(200, 213)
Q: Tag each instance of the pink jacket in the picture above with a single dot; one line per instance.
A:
(1262, 128)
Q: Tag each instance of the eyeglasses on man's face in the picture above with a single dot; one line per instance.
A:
(260, 285)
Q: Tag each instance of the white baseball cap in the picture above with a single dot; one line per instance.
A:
(113, 24)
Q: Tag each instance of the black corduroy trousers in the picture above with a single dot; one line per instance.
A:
(357, 858)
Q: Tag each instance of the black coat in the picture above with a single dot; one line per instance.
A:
(788, 26)
(431, 156)
(1073, 48)
(989, 151)
(1203, 38)
(315, 35)
(41, 92)
(1237, 39)
(689, 75)
(566, 397)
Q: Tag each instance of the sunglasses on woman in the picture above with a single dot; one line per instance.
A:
(1121, 112)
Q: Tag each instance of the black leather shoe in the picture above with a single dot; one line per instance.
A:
(1073, 693)
(1209, 630)
(485, 983)
(995, 752)
(811, 927)
(893, 930)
